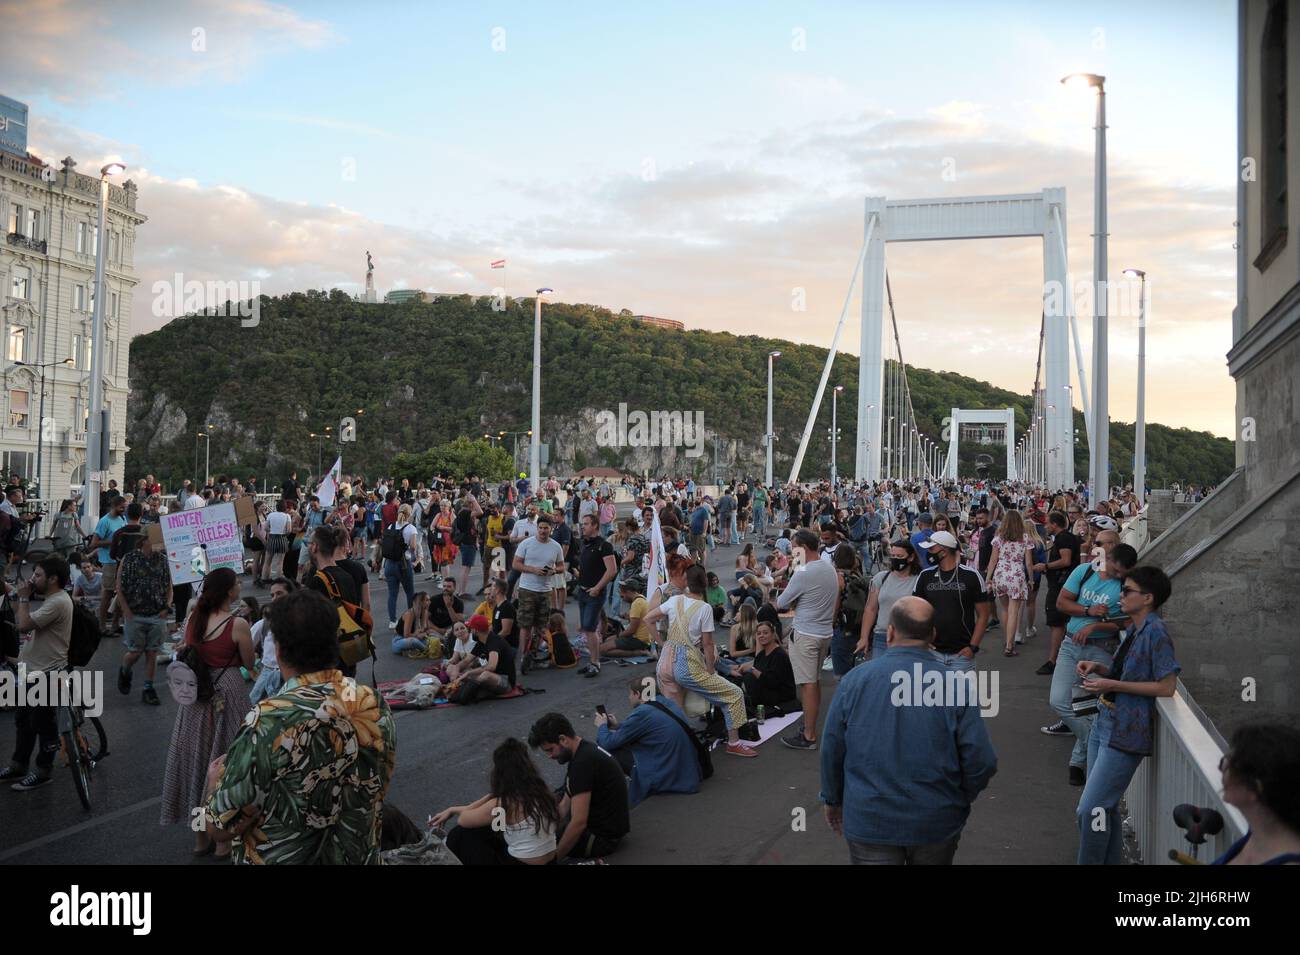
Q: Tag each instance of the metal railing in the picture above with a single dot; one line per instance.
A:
(1182, 768)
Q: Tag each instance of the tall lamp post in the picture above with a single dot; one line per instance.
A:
(1099, 452)
(769, 437)
(835, 428)
(96, 431)
(535, 455)
(1140, 429)
(40, 420)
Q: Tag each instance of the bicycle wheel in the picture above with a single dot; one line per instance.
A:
(79, 762)
(95, 738)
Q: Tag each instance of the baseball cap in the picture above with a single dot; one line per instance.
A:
(940, 539)
(478, 623)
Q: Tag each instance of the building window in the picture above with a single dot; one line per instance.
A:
(94, 239)
(16, 344)
(1272, 168)
(22, 283)
(16, 219)
(112, 305)
(81, 237)
(16, 464)
(80, 415)
(79, 297)
(19, 408)
(34, 224)
(81, 352)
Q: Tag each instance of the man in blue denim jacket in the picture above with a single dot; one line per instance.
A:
(900, 768)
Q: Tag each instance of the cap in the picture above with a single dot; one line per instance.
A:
(478, 623)
(940, 539)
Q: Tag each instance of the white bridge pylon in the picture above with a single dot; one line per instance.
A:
(978, 217)
(960, 416)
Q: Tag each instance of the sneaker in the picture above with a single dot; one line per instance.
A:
(149, 695)
(741, 749)
(29, 782)
(123, 681)
(392, 625)
(9, 773)
(1019, 639)
(1077, 776)
(1056, 729)
(1047, 669)
(1033, 632)
(797, 741)
(592, 670)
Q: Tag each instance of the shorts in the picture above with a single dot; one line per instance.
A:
(143, 634)
(695, 543)
(534, 607)
(1054, 617)
(807, 654)
(495, 682)
(559, 581)
(358, 533)
(630, 643)
(468, 554)
(589, 608)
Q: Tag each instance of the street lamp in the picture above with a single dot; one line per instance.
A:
(40, 417)
(320, 442)
(835, 427)
(1099, 453)
(95, 437)
(771, 356)
(1140, 429)
(535, 457)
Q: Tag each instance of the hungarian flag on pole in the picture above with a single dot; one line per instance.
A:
(656, 560)
(329, 487)
(499, 263)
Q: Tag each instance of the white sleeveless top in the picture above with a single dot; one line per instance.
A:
(524, 842)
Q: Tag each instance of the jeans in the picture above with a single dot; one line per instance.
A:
(613, 600)
(760, 523)
(269, 682)
(938, 853)
(953, 661)
(399, 573)
(1064, 679)
(1101, 835)
(589, 612)
(878, 642)
(842, 645)
(402, 644)
(732, 536)
(32, 723)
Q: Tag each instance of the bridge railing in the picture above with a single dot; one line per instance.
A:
(1183, 768)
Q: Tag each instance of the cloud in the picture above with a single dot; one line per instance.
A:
(67, 48)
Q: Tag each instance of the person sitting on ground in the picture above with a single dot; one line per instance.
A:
(741, 642)
(717, 597)
(515, 823)
(747, 592)
(445, 609)
(653, 745)
(496, 675)
(414, 627)
(593, 802)
(637, 638)
(768, 678)
(465, 638)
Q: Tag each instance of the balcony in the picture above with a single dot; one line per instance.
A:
(23, 242)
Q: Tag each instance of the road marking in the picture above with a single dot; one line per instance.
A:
(79, 827)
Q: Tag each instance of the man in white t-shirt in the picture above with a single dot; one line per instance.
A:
(536, 560)
(813, 592)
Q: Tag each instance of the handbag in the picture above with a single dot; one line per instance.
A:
(1083, 702)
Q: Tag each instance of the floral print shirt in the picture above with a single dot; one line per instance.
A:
(312, 765)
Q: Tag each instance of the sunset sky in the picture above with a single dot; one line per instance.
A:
(697, 161)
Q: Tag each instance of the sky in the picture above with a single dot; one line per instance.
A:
(704, 162)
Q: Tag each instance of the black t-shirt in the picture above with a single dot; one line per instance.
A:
(124, 540)
(592, 563)
(592, 770)
(775, 677)
(464, 528)
(1062, 541)
(343, 581)
(562, 535)
(493, 643)
(439, 614)
(357, 571)
(506, 612)
(742, 499)
(987, 535)
(289, 490)
(953, 594)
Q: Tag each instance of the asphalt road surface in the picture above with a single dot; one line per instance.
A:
(753, 811)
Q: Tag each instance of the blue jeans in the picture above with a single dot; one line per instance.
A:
(732, 536)
(1101, 835)
(268, 684)
(939, 853)
(613, 599)
(398, 573)
(760, 523)
(953, 661)
(402, 644)
(879, 640)
(842, 646)
(589, 611)
(1063, 680)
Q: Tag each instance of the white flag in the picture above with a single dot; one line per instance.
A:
(330, 486)
(657, 570)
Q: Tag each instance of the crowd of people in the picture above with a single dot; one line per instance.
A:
(864, 579)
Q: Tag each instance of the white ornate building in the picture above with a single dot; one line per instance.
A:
(47, 274)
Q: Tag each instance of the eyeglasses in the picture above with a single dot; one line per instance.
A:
(1131, 590)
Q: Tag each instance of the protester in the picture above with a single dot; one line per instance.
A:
(593, 805)
(887, 588)
(768, 677)
(1009, 568)
(270, 678)
(654, 744)
(813, 592)
(535, 560)
(960, 601)
(398, 549)
(899, 785)
(1261, 778)
(414, 628)
(144, 596)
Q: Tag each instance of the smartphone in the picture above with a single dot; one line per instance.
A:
(600, 708)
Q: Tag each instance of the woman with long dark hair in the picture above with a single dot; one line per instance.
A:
(515, 823)
(204, 729)
(886, 588)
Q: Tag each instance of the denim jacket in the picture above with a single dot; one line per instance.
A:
(905, 775)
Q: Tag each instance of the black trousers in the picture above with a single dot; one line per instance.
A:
(481, 846)
(181, 594)
(33, 723)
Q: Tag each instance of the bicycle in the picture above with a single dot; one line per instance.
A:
(75, 742)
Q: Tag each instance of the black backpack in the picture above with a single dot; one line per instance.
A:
(85, 636)
(853, 603)
(393, 546)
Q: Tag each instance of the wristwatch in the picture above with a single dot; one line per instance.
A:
(974, 647)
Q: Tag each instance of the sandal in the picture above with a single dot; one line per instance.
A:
(1011, 653)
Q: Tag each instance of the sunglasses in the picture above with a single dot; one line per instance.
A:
(1131, 590)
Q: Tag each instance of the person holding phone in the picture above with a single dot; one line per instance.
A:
(535, 560)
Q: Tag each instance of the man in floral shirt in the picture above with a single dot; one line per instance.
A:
(305, 779)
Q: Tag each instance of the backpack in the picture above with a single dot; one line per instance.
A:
(85, 637)
(562, 655)
(858, 531)
(393, 545)
(853, 603)
(355, 625)
(701, 751)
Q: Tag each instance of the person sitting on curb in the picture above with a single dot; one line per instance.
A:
(653, 745)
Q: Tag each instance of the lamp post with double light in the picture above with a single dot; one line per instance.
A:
(97, 429)
(769, 437)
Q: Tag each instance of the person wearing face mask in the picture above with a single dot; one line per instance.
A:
(887, 588)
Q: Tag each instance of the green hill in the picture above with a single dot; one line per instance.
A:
(422, 374)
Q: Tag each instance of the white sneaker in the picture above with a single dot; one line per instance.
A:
(1033, 631)
(392, 625)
